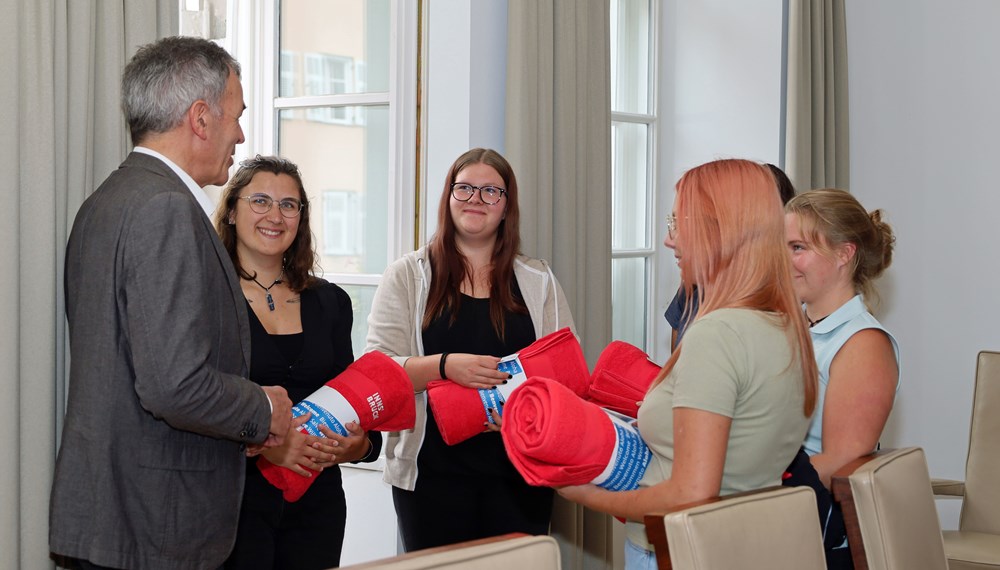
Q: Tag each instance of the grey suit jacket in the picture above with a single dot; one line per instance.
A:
(150, 469)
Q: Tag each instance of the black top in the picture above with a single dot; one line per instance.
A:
(472, 333)
(324, 351)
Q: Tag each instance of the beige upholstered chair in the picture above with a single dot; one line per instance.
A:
(775, 528)
(508, 552)
(976, 543)
(892, 522)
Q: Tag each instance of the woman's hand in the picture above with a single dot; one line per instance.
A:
(474, 371)
(300, 451)
(579, 493)
(346, 449)
(496, 419)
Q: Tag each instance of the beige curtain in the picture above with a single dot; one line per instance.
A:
(558, 139)
(62, 132)
(816, 129)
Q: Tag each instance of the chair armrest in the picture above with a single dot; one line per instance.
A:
(948, 487)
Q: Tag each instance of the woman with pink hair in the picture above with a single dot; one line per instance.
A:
(730, 407)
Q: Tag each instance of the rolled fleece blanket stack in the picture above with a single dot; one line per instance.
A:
(555, 438)
(460, 411)
(373, 391)
(621, 378)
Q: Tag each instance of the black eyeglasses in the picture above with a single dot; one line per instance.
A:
(261, 203)
(488, 194)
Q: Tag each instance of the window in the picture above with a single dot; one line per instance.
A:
(343, 223)
(331, 85)
(633, 129)
(333, 74)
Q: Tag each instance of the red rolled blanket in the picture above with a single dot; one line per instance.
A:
(460, 411)
(373, 391)
(555, 438)
(621, 378)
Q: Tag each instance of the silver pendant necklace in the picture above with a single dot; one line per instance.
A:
(267, 290)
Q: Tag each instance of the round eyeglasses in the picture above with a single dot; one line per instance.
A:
(488, 194)
(261, 203)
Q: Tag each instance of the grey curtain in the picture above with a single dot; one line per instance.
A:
(558, 139)
(62, 132)
(816, 130)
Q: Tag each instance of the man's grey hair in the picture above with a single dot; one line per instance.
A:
(166, 77)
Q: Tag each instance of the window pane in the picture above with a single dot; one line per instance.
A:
(630, 187)
(345, 169)
(329, 47)
(628, 301)
(361, 302)
(630, 56)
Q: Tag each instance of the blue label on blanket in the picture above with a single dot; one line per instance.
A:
(320, 416)
(632, 459)
(512, 367)
(491, 399)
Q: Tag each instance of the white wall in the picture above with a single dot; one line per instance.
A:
(924, 123)
(720, 97)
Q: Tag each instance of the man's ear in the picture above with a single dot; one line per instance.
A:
(198, 116)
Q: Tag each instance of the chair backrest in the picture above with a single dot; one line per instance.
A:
(892, 522)
(774, 528)
(981, 507)
(510, 551)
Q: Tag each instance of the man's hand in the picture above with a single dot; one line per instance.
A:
(281, 415)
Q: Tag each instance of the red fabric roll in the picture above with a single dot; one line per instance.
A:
(621, 378)
(557, 356)
(460, 411)
(553, 437)
(378, 391)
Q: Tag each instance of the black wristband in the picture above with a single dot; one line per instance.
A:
(444, 356)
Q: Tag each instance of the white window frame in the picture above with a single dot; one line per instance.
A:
(651, 253)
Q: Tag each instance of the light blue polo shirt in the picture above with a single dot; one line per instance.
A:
(828, 337)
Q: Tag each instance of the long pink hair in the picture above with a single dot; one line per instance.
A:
(731, 233)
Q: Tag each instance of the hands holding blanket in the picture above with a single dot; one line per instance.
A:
(462, 412)
(305, 454)
(373, 393)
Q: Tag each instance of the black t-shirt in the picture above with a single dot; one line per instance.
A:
(472, 333)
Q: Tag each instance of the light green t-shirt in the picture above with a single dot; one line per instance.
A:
(737, 363)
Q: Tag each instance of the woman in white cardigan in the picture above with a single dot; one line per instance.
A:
(450, 311)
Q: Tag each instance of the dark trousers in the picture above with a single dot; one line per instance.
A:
(275, 534)
(447, 509)
(831, 519)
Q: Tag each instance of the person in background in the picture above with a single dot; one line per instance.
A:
(300, 330)
(837, 250)
(731, 405)
(160, 413)
(449, 311)
(679, 314)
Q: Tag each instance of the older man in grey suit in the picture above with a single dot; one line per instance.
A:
(160, 414)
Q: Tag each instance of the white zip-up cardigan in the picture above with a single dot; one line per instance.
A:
(394, 328)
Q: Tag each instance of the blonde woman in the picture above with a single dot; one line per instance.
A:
(837, 250)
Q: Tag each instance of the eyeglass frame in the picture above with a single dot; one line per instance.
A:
(672, 226)
(271, 202)
(503, 192)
